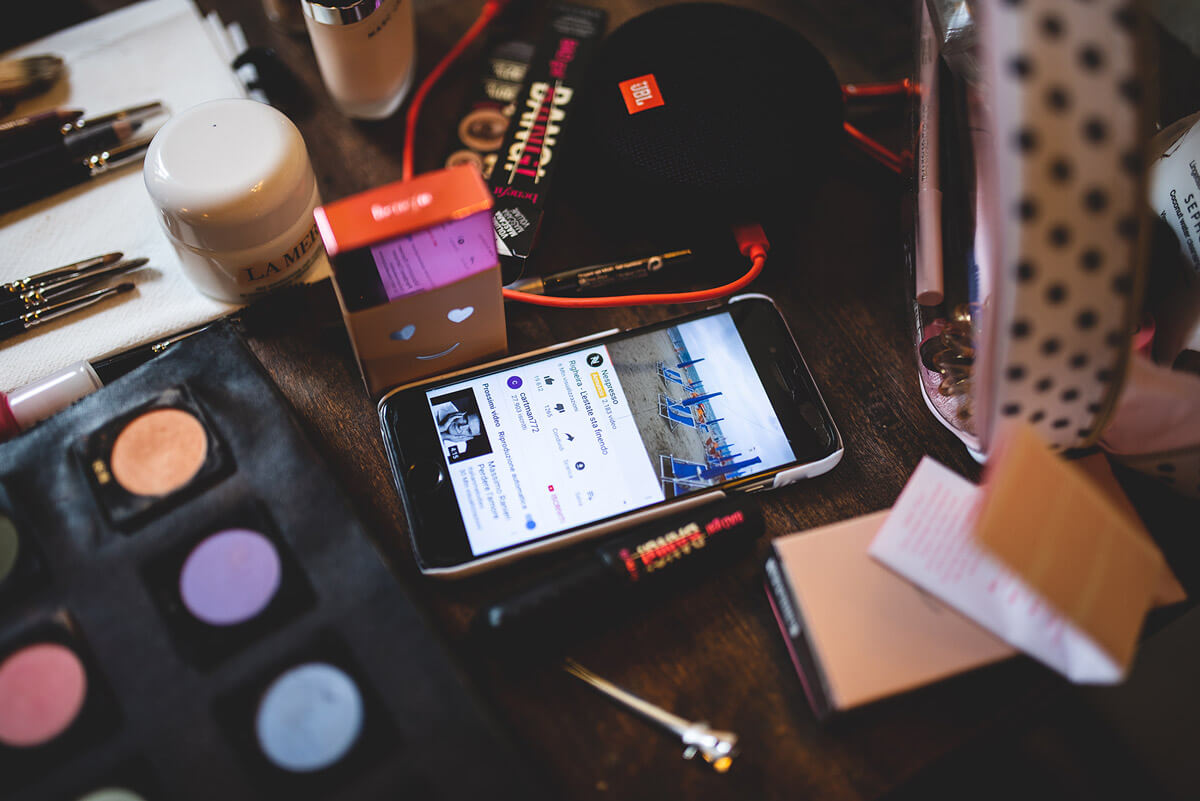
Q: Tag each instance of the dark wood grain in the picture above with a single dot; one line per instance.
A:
(712, 652)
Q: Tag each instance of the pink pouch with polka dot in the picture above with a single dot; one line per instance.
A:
(1156, 427)
(1043, 333)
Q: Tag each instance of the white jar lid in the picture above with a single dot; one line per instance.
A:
(229, 174)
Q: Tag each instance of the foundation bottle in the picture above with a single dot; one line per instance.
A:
(366, 52)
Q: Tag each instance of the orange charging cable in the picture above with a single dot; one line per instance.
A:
(872, 148)
(859, 91)
(491, 9)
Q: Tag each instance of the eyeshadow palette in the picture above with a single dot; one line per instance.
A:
(189, 609)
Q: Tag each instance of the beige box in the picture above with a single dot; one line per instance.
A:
(856, 631)
(417, 277)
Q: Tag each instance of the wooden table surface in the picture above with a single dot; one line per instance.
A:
(713, 652)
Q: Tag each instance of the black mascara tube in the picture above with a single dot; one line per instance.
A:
(598, 586)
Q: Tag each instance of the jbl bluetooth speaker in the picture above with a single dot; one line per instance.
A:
(709, 110)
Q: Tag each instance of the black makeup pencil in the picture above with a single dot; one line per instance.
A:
(27, 189)
(28, 133)
(64, 150)
(80, 141)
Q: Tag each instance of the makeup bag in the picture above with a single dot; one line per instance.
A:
(1034, 114)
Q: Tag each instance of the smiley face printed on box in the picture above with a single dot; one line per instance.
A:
(430, 333)
(417, 275)
(455, 318)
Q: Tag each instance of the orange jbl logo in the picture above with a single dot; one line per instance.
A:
(641, 93)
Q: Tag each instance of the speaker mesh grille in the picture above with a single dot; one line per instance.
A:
(752, 112)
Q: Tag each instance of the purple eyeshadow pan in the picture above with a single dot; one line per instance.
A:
(230, 577)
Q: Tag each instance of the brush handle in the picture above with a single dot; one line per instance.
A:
(64, 150)
(34, 132)
(12, 306)
(10, 328)
(21, 192)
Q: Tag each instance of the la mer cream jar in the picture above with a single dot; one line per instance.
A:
(236, 193)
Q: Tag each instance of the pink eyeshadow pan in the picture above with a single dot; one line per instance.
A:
(42, 690)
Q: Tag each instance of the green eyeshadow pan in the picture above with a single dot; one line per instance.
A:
(10, 546)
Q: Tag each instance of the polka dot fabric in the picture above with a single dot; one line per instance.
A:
(1066, 117)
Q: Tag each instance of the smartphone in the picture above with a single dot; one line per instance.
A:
(543, 449)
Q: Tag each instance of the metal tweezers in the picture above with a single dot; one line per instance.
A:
(717, 748)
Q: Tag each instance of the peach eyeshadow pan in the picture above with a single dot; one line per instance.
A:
(159, 452)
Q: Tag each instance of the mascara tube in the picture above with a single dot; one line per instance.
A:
(21, 408)
(598, 586)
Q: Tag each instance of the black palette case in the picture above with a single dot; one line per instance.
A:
(173, 702)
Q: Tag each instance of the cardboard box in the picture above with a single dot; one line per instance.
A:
(857, 632)
(417, 277)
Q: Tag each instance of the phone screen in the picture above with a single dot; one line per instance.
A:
(546, 446)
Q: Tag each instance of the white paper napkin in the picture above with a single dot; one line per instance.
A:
(154, 50)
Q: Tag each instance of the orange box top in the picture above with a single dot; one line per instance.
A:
(400, 208)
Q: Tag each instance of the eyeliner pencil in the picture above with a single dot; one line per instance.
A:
(42, 130)
(66, 149)
(81, 140)
(25, 190)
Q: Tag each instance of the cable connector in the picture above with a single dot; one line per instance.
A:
(751, 240)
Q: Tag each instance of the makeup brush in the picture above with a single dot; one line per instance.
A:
(10, 328)
(41, 279)
(23, 75)
(17, 305)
